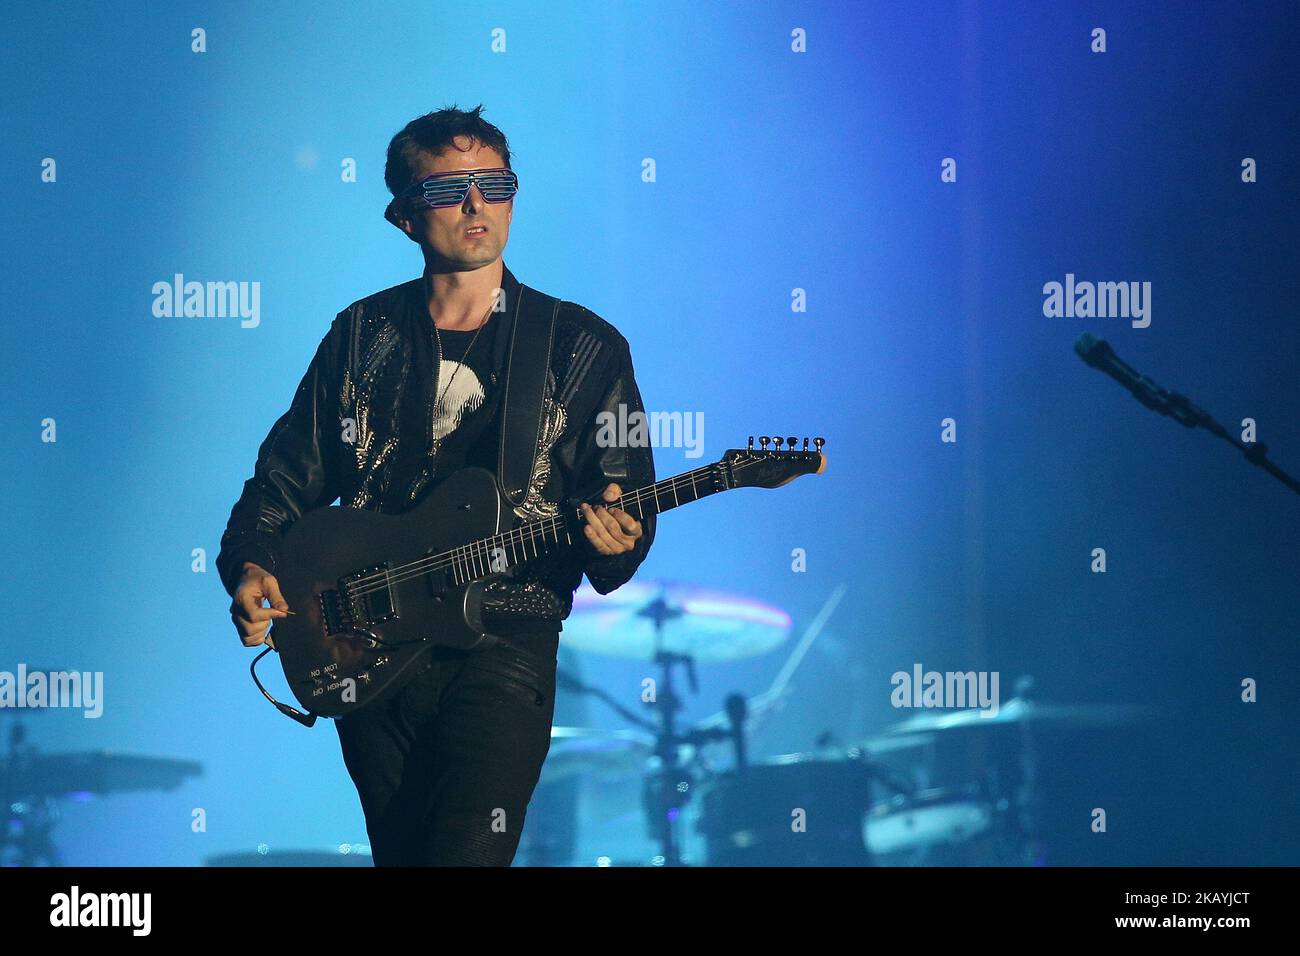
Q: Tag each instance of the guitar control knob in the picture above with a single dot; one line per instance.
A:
(790, 441)
(777, 441)
(819, 442)
(763, 440)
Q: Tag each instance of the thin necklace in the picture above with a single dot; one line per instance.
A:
(438, 401)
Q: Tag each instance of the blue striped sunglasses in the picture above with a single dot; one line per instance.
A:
(441, 190)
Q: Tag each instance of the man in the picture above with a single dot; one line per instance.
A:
(404, 390)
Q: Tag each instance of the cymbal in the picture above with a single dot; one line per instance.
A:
(892, 742)
(100, 771)
(1017, 710)
(825, 755)
(602, 753)
(709, 625)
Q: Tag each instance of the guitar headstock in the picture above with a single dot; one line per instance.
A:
(773, 467)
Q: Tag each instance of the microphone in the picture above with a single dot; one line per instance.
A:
(1098, 354)
(737, 708)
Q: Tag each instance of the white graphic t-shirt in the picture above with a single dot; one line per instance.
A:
(464, 395)
(466, 402)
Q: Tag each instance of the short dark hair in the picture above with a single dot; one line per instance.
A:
(434, 133)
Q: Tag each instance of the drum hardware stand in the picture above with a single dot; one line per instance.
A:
(1017, 804)
(1026, 803)
(669, 782)
(669, 787)
(28, 822)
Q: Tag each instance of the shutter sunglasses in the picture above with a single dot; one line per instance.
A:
(442, 190)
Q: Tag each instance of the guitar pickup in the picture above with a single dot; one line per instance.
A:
(361, 600)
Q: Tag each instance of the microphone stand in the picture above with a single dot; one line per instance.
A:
(1098, 354)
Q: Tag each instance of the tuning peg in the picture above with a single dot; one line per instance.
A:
(790, 442)
(763, 440)
(777, 442)
(805, 443)
(750, 446)
(819, 442)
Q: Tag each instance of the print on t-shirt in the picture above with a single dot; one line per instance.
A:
(464, 396)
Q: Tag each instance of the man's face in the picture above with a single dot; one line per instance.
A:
(445, 233)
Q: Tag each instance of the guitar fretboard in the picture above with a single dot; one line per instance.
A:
(504, 551)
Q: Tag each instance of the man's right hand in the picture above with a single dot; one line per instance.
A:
(252, 621)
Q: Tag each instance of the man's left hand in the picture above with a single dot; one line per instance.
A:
(610, 530)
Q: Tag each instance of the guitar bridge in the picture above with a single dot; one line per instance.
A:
(361, 600)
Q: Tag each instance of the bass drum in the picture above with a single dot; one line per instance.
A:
(789, 811)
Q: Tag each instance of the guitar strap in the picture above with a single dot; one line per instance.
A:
(531, 338)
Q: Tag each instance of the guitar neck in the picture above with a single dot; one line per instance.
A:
(504, 551)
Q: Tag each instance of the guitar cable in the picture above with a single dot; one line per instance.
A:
(307, 720)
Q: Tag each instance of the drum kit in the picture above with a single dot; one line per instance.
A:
(664, 791)
(871, 802)
(32, 784)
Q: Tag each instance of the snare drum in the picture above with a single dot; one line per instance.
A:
(925, 820)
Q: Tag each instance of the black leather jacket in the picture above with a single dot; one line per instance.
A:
(369, 369)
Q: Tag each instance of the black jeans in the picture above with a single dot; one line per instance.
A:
(446, 765)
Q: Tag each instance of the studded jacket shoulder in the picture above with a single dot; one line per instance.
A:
(342, 439)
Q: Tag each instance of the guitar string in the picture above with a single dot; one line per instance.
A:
(471, 556)
(474, 552)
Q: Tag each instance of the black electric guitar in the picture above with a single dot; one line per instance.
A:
(370, 593)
